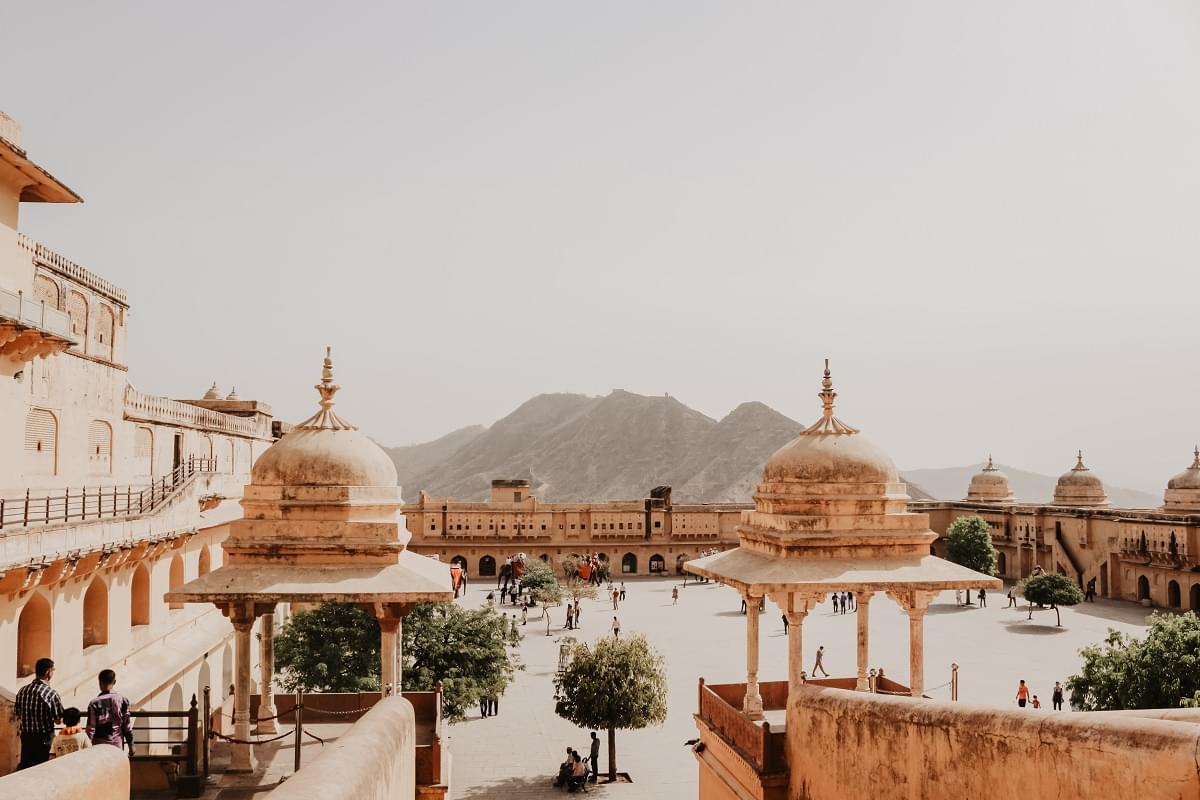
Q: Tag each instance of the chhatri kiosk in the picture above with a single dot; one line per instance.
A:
(321, 525)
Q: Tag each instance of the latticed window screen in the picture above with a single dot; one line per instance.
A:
(77, 310)
(45, 290)
(143, 451)
(41, 442)
(100, 446)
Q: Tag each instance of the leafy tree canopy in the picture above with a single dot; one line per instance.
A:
(613, 684)
(1160, 671)
(467, 650)
(331, 648)
(538, 575)
(1050, 589)
(969, 543)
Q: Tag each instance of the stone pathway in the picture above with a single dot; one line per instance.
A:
(516, 754)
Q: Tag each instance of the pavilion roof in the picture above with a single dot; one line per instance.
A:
(760, 573)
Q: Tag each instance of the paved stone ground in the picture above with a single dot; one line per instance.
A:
(515, 754)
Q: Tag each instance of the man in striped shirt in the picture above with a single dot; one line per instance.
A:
(39, 708)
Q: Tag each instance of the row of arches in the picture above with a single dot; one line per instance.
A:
(1174, 593)
(629, 563)
(100, 334)
(35, 624)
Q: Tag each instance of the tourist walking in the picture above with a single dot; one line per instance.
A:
(524, 614)
(594, 756)
(38, 707)
(108, 714)
(1056, 699)
(982, 597)
(1022, 694)
(1012, 599)
(785, 624)
(622, 591)
(616, 628)
(616, 594)
(820, 662)
(570, 617)
(674, 595)
(958, 596)
(837, 603)
(578, 611)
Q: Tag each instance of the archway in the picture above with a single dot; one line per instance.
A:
(1143, 588)
(629, 564)
(487, 567)
(205, 563)
(204, 678)
(658, 565)
(139, 596)
(1001, 565)
(223, 690)
(1195, 604)
(33, 634)
(1173, 595)
(176, 704)
(95, 614)
(176, 577)
(462, 562)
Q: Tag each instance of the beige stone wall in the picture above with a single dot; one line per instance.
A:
(97, 773)
(847, 744)
(374, 760)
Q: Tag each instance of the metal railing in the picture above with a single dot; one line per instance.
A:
(172, 736)
(101, 502)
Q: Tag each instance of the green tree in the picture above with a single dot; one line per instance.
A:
(538, 575)
(548, 597)
(577, 590)
(465, 649)
(614, 683)
(969, 543)
(1050, 589)
(1160, 671)
(331, 648)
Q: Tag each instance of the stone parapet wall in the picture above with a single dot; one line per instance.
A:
(846, 744)
(97, 773)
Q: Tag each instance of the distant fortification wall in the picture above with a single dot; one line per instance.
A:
(846, 744)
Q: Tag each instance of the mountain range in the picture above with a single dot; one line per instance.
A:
(574, 447)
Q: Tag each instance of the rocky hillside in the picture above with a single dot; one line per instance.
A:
(574, 448)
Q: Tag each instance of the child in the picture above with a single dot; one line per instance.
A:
(1036, 703)
(71, 737)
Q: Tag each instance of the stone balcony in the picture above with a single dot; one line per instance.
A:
(31, 330)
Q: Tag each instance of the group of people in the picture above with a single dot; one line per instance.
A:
(577, 771)
(39, 708)
(592, 568)
(1026, 699)
(844, 602)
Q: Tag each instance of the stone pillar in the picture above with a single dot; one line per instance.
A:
(266, 677)
(389, 628)
(797, 611)
(752, 704)
(864, 603)
(241, 759)
(915, 604)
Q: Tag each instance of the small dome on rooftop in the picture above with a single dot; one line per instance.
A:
(213, 392)
(324, 450)
(1080, 487)
(989, 485)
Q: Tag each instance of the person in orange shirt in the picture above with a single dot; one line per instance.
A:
(1022, 694)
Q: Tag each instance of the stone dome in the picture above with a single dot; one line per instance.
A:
(830, 451)
(1080, 487)
(1183, 490)
(324, 450)
(213, 393)
(989, 485)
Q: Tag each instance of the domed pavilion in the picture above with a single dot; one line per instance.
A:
(321, 524)
(989, 485)
(1080, 487)
(1183, 491)
(831, 515)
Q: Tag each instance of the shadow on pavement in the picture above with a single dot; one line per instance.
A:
(526, 787)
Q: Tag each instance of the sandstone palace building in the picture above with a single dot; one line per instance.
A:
(109, 496)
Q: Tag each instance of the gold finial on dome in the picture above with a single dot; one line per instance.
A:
(828, 423)
(1079, 463)
(990, 466)
(325, 419)
(1196, 460)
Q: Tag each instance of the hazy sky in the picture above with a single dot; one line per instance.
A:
(986, 213)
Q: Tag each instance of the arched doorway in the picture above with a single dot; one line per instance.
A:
(487, 567)
(176, 704)
(33, 634)
(629, 564)
(176, 577)
(1173, 595)
(139, 596)
(95, 614)
(205, 563)
(1001, 565)
(1195, 604)
(460, 561)
(658, 564)
(1143, 588)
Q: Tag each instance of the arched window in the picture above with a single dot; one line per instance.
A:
(33, 634)
(139, 596)
(1001, 564)
(1195, 597)
(487, 567)
(77, 310)
(1143, 588)
(95, 614)
(100, 447)
(658, 564)
(205, 562)
(103, 331)
(45, 290)
(143, 451)
(1173, 595)
(41, 442)
(176, 577)
(629, 564)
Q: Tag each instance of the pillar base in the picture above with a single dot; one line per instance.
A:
(241, 759)
(267, 725)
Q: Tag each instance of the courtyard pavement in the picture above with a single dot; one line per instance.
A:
(516, 753)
